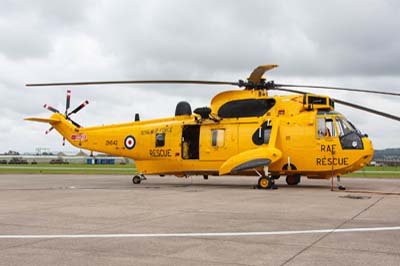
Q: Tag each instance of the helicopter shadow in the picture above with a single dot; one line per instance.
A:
(235, 186)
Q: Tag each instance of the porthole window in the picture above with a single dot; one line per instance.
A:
(160, 139)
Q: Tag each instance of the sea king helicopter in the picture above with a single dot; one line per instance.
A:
(242, 132)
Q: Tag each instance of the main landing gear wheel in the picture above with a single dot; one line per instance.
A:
(293, 180)
(265, 182)
(136, 179)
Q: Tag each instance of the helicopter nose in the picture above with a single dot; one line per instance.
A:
(368, 144)
(369, 151)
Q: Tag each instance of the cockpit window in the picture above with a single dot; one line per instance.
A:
(344, 126)
(326, 127)
(354, 127)
(350, 136)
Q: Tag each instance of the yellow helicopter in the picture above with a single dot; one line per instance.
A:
(243, 132)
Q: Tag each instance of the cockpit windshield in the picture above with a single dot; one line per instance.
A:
(345, 126)
(354, 127)
(350, 136)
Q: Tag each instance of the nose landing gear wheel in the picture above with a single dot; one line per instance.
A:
(265, 182)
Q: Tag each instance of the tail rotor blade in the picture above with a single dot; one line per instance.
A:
(49, 130)
(77, 109)
(67, 104)
(74, 123)
(52, 109)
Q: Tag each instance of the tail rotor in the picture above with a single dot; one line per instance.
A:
(67, 113)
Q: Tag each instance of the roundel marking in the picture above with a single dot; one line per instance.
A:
(130, 142)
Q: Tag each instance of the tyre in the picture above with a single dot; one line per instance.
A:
(264, 182)
(136, 180)
(293, 180)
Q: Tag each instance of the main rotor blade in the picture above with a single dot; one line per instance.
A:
(373, 111)
(363, 108)
(289, 90)
(337, 88)
(202, 82)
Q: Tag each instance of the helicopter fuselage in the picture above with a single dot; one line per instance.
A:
(244, 132)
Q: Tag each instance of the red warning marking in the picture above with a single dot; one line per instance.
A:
(298, 99)
(77, 137)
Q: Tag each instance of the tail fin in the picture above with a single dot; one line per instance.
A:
(58, 122)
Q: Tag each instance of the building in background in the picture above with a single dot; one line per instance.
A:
(44, 156)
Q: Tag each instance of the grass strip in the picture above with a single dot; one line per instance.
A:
(67, 169)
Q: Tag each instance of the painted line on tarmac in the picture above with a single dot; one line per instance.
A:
(216, 234)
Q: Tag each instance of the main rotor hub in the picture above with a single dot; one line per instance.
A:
(262, 85)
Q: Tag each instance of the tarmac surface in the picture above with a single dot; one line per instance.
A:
(106, 220)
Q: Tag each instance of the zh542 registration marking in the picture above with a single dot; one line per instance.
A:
(112, 142)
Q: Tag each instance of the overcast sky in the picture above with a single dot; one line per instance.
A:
(335, 43)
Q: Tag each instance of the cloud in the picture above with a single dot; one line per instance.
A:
(340, 43)
(30, 28)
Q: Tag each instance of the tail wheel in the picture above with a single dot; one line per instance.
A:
(136, 180)
(293, 180)
(264, 182)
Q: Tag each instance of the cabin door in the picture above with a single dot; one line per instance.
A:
(190, 142)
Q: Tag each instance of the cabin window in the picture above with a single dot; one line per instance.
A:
(217, 137)
(245, 108)
(160, 139)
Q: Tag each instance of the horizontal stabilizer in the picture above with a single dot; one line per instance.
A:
(43, 120)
